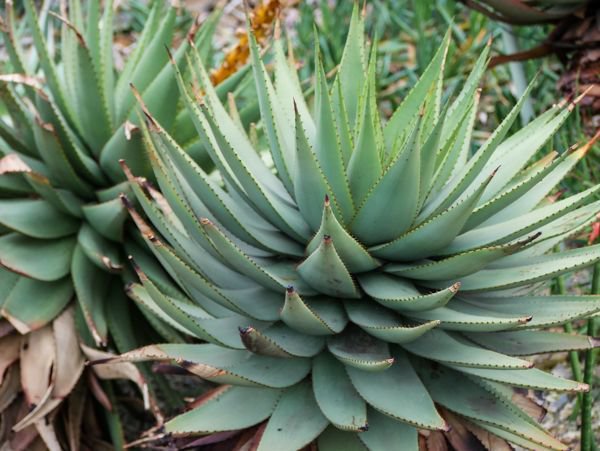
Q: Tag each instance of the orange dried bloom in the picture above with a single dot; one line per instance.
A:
(261, 19)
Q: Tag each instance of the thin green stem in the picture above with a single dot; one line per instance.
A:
(587, 434)
(568, 327)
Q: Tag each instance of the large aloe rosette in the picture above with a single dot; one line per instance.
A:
(352, 277)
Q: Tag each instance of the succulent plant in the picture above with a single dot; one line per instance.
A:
(528, 12)
(574, 40)
(359, 280)
(63, 228)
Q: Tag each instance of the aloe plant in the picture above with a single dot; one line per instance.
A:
(360, 280)
(575, 25)
(527, 12)
(63, 231)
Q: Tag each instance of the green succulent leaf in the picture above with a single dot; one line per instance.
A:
(385, 433)
(537, 269)
(213, 363)
(376, 321)
(319, 316)
(450, 319)
(401, 176)
(280, 138)
(476, 403)
(227, 408)
(353, 254)
(526, 342)
(327, 147)
(91, 287)
(356, 349)
(446, 347)
(36, 219)
(337, 398)
(398, 393)
(281, 341)
(332, 439)
(456, 266)
(544, 310)
(532, 378)
(107, 218)
(45, 260)
(30, 304)
(295, 422)
(434, 234)
(325, 271)
(402, 295)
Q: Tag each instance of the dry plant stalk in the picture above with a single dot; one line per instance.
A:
(261, 19)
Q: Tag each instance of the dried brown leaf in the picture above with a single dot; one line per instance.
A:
(490, 441)
(11, 349)
(69, 358)
(436, 441)
(37, 359)
(12, 163)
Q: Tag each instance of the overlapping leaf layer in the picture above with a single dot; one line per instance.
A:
(360, 276)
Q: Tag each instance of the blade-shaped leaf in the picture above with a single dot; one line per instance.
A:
(474, 402)
(377, 321)
(335, 395)
(325, 271)
(319, 316)
(400, 294)
(355, 348)
(295, 422)
(398, 393)
(30, 304)
(448, 347)
(36, 218)
(352, 253)
(45, 260)
(281, 341)
(91, 286)
(526, 342)
(226, 408)
(532, 378)
(387, 433)
(434, 234)
(224, 366)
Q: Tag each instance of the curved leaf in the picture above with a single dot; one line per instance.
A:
(335, 395)
(295, 422)
(45, 260)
